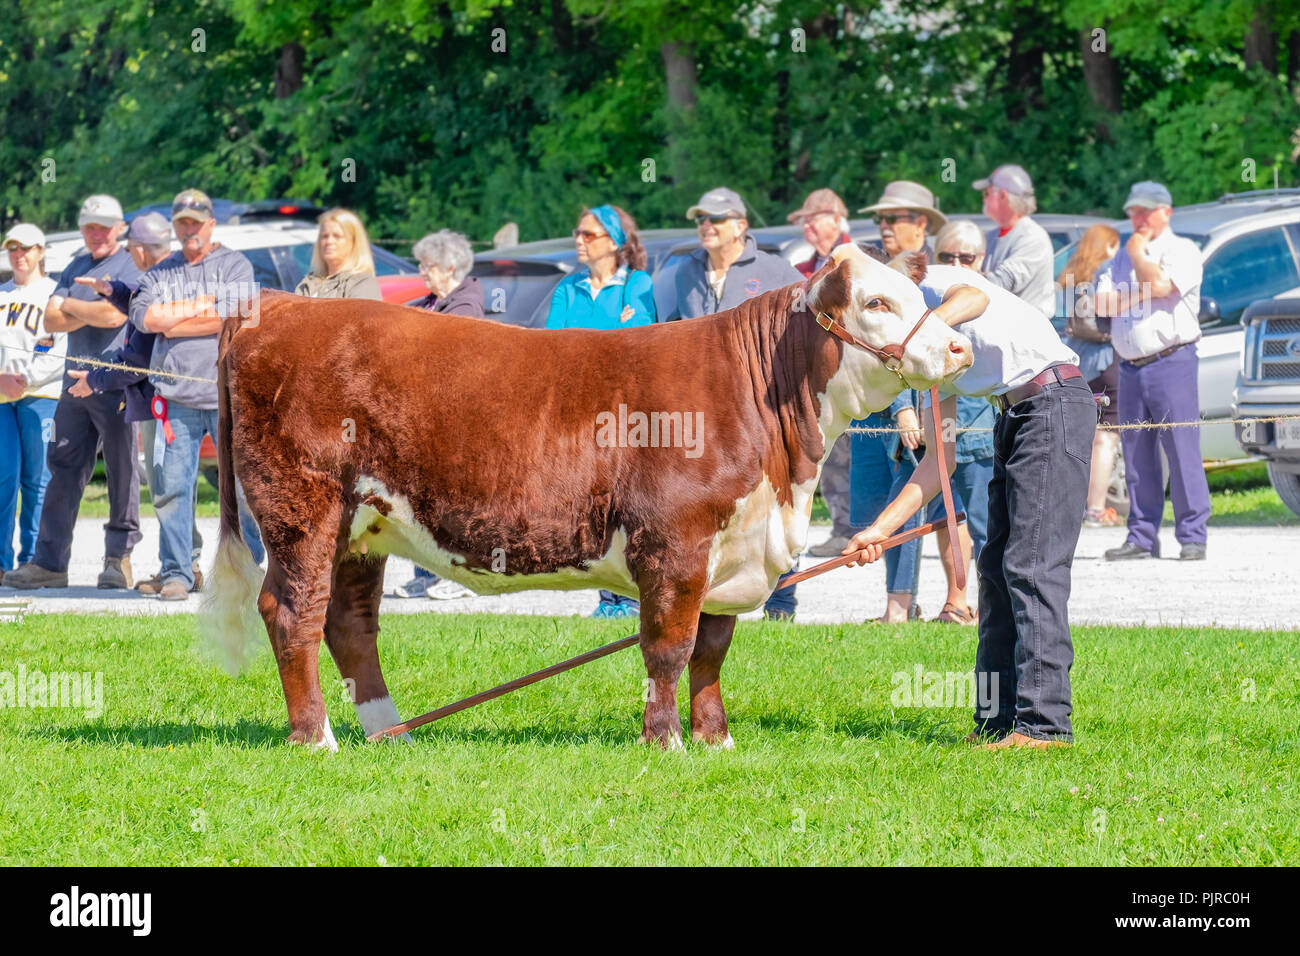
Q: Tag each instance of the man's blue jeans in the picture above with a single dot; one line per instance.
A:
(24, 429)
(175, 479)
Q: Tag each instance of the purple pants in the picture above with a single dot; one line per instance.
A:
(1164, 391)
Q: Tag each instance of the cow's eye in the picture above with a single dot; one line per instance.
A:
(876, 304)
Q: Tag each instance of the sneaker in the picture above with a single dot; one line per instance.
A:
(116, 575)
(1192, 552)
(831, 548)
(31, 575)
(617, 609)
(174, 589)
(448, 590)
(1129, 551)
(1105, 518)
(414, 588)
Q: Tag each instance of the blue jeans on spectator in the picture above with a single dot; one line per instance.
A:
(24, 429)
(175, 480)
(874, 479)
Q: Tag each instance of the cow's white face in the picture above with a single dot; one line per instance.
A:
(880, 305)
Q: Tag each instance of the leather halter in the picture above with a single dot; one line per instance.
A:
(891, 356)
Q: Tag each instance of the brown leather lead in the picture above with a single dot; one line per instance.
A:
(500, 690)
(946, 485)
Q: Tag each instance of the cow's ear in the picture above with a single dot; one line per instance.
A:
(912, 264)
(833, 292)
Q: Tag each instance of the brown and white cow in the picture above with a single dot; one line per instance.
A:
(508, 459)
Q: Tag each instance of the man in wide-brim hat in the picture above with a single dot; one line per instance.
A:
(906, 212)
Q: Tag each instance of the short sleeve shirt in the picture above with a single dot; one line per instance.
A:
(1011, 342)
(1152, 324)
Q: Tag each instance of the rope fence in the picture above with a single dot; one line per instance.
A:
(852, 430)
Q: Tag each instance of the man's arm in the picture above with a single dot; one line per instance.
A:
(920, 488)
(184, 318)
(1148, 270)
(961, 303)
(71, 314)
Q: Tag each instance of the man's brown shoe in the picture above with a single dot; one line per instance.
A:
(1020, 740)
(198, 578)
(174, 589)
(32, 575)
(150, 586)
(116, 575)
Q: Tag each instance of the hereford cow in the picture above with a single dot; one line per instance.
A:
(673, 463)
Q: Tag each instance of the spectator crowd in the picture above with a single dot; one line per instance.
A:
(133, 304)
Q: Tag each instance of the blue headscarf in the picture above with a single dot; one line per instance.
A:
(607, 216)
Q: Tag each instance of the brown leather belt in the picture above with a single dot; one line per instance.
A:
(1148, 359)
(1057, 374)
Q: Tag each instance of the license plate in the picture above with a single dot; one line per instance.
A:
(1287, 434)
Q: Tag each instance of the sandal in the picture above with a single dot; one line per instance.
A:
(952, 614)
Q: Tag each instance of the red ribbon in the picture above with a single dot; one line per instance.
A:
(159, 408)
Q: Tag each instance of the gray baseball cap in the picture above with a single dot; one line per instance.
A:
(718, 202)
(1148, 195)
(1010, 177)
(150, 229)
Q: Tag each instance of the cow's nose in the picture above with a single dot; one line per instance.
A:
(958, 356)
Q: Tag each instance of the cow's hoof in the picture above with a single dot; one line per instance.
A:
(670, 742)
(326, 742)
(726, 743)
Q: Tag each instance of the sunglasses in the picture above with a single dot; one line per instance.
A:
(15, 246)
(965, 258)
(893, 217)
(586, 235)
(716, 220)
(191, 204)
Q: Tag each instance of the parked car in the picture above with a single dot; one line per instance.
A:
(279, 250)
(1268, 385)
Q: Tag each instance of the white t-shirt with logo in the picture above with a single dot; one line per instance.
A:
(1151, 324)
(1011, 342)
(22, 332)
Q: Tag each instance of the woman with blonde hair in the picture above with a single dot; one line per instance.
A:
(341, 264)
(1089, 336)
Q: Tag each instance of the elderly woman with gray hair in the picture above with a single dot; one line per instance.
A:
(445, 259)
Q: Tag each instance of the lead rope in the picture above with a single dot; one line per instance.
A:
(946, 485)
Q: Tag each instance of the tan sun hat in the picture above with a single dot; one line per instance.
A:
(819, 201)
(904, 194)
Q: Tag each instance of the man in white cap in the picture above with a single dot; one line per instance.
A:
(1019, 257)
(1152, 291)
(95, 330)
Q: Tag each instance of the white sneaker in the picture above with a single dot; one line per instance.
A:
(414, 588)
(447, 590)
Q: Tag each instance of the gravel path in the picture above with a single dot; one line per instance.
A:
(1249, 580)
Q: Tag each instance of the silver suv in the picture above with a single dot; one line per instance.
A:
(1268, 385)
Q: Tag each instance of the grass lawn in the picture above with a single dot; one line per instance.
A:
(1187, 744)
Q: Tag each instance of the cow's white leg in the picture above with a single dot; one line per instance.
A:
(379, 714)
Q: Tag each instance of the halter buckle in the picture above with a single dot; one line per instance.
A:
(820, 316)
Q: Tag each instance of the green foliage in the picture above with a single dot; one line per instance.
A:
(446, 129)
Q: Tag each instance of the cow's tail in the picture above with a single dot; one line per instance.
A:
(228, 618)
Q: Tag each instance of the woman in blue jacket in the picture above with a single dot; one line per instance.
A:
(614, 292)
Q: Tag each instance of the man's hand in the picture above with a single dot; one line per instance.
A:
(1137, 244)
(12, 386)
(628, 312)
(101, 286)
(868, 543)
(81, 388)
(909, 428)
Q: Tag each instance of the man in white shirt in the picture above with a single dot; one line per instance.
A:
(1042, 452)
(1152, 291)
(1019, 257)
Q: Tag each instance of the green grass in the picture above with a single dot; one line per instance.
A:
(1186, 750)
